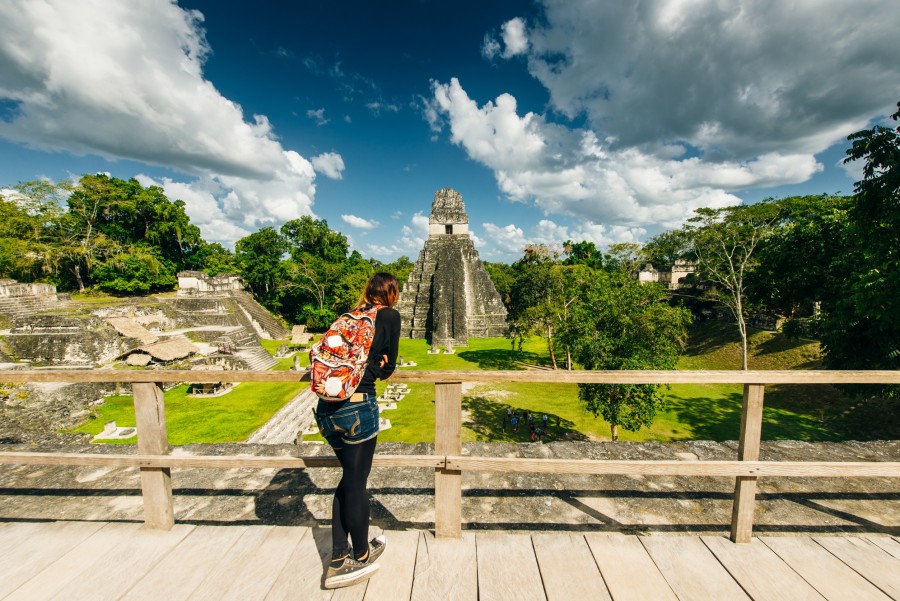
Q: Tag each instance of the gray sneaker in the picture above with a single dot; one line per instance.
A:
(350, 572)
(376, 548)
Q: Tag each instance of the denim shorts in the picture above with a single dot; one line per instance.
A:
(348, 422)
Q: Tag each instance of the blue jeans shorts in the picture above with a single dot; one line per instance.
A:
(348, 422)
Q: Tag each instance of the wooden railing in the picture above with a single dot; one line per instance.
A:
(156, 462)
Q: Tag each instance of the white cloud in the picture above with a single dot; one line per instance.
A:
(124, 80)
(412, 239)
(359, 222)
(330, 164)
(515, 41)
(490, 47)
(572, 172)
(736, 80)
(507, 243)
(514, 37)
(318, 116)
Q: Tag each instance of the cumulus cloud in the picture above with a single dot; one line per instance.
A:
(359, 222)
(738, 79)
(508, 242)
(514, 37)
(412, 239)
(680, 104)
(515, 41)
(330, 164)
(571, 171)
(78, 82)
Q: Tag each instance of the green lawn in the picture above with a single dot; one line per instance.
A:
(228, 418)
(694, 411)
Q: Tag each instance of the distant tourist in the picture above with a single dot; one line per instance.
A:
(351, 428)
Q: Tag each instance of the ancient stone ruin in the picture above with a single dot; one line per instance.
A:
(449, 296)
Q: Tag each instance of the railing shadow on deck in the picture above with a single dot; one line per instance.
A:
(155, 460)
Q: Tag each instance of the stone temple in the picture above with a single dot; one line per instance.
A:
(449, 296)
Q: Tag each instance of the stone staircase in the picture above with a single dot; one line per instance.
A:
(263, 322)
(288, 422)
(21, 306)
(242, 344)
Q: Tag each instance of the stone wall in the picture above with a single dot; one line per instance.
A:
(403, 498)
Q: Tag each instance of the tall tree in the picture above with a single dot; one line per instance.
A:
(863, 328)
(724, 242)
(616, 323)
(259, 257)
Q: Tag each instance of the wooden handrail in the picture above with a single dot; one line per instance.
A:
(558, 376)
(155, 461)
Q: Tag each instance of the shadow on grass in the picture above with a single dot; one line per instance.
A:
(486, 420)
(500, 359)
(784, 418)
(709, 336)
(779, 344)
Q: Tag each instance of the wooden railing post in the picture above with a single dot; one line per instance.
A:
(447, 441)
(156, 482)
(748, 450)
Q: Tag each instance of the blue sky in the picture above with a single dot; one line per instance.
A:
(559, 119)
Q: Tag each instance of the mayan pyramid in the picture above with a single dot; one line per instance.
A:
(449, 296)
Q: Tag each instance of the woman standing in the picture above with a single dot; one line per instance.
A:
(351, 428)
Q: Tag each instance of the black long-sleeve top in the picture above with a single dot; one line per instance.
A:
(385, 342)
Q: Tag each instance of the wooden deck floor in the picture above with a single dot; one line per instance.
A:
(101, 560)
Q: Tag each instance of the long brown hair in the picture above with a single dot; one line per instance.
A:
(382, 289)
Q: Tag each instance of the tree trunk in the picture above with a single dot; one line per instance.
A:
(614, 430)
(77, 270)
(568, 358)
(550, 346)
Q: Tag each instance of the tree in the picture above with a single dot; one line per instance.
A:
(259, 257)
(582, 253)
(615, 323)
(313, 237)
(724, 242)
(863, 328)
(809, 255)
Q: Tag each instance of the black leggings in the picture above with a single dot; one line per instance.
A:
(350, 508)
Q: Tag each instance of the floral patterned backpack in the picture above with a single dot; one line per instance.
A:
(338, 360)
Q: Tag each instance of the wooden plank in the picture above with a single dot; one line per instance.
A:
(886, 543)
(691, 569)
(627, 569)
(448, 441)
(211, 461)
(823, 469)
(32, 555)
(259, 571)
(507, 568)
(748, 450)
(14, 533)
(218, 581)
(156, 482)
(181, 571)
(398, 564)
(560, 376)
(114, 572)
(873, 563)
(826, 573)
(303, 574)
(761, 573)
(445, 569)
(560, 556)
(58, 575)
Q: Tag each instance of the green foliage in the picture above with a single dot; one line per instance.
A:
(862, 329)
(136, 271)
(102, 231)
(616, 322)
